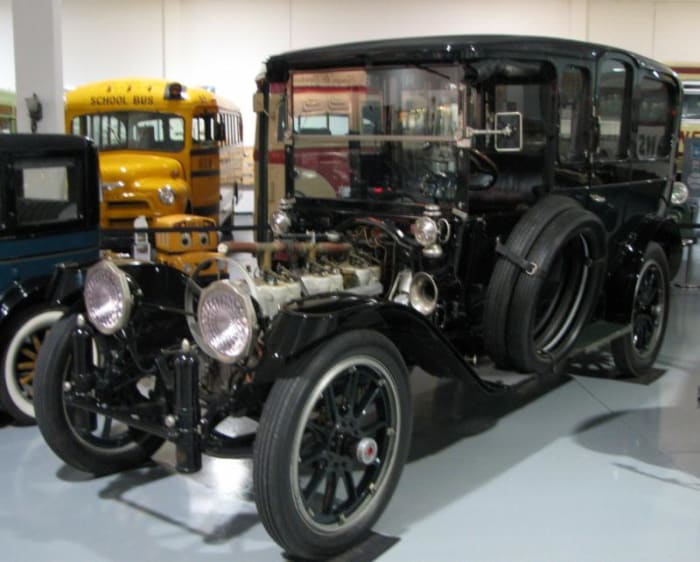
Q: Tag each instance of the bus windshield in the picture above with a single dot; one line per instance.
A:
(133, 130)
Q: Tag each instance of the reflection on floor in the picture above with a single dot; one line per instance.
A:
(595, 468)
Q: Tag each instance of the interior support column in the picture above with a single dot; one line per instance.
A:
(38, 64)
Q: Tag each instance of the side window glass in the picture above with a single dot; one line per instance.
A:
(613, 101)
(574, 111)
(528, 100)
(282, 117)
(203, 129)
(655, 120)
(47, 190)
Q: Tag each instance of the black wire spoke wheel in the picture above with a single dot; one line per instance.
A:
(347, 443)
(94, 430)
(649, 309)
(636, 352)
(331, 444)
(88, 441)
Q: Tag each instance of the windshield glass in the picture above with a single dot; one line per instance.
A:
(375, 133)
(133, 130)
(390, 133)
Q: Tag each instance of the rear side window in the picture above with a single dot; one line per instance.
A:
(613, 109)
(655, 121)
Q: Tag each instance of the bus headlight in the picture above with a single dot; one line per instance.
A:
(679, 193)
(226, 320)
(166, 194)
(107, 296)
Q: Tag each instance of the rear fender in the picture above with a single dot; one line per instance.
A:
(302, 326)
(626, 262)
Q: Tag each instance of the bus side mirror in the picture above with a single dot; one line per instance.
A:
(509, 131)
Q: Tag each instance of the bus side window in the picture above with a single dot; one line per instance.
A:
(78, 126)
(198, 133)
(221, 129)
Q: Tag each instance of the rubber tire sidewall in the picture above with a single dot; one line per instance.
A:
(273, 447)
(505, 273)
(51, 415)
(22, 324)
(545, 251)
(624, 354)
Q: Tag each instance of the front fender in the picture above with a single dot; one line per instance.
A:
(301, 326)
(20, 293)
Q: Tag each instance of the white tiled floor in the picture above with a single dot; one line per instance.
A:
(597, 469)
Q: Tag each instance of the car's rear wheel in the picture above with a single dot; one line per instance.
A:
(635, 353)
(331, 445)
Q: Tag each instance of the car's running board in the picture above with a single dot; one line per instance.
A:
(599, 334)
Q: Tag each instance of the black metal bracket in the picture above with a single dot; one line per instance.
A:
(529, 267)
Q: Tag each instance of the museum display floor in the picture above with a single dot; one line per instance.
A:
(596, 468)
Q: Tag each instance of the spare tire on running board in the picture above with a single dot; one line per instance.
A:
(549, 308)
(505, 273)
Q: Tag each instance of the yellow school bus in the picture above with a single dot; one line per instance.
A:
(164, 148)
(8, 113)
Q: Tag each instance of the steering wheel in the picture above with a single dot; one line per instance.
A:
(484, 166)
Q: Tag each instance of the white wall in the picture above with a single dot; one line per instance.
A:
(223, 43)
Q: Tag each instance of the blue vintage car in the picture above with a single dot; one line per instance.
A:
(49, 201)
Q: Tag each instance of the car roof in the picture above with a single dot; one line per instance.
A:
(443, 49)
(39, 142)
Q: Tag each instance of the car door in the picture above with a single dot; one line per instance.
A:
(611, 155)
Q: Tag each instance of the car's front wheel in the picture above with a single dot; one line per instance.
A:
(90, 442)
(331, 445)
(26, 333)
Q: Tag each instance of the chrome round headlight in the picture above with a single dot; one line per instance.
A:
(166, 194)
(107, 296)
(226, 321)
(679, 193)
(426, 231)
(280, 223)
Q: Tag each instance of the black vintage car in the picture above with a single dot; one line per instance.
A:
(447, 203)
